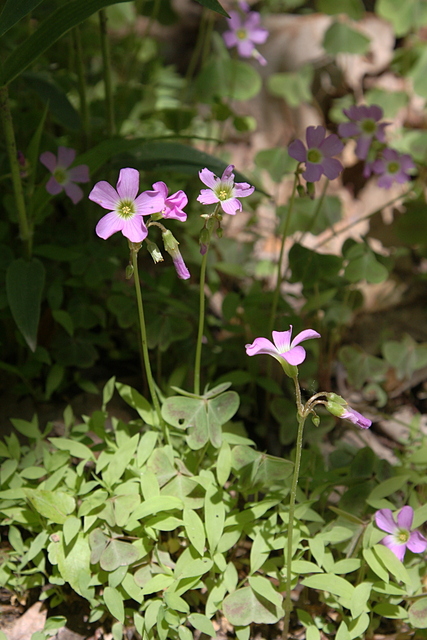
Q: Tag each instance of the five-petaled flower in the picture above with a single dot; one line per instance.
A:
(126, 208)
(283, 348)
(172, 205)
(245, 32)
(318, 155)
(364, 127)
(400, 535)
(224, 190)
(64, 178)
(392, 167)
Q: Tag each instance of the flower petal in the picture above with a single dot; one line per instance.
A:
(105, 195)
(134, 229)
(243, 189)
(315, 136)
(128, 184)
(148, 202)
(245, 48)
(261, 345)
(53, 187)
(49, 160)
(398, 549)
(385, 521)
(331, 146)
(231, 206)
(405, 517)
(282, 340)
(109, 224)
(65, 157)
(208, 178)
(297, 151)
(207, 196)
(307, 334)
(362, 147)
(313, 172)
(161, 187)
(73, 191)
(295, 356)
(331, 168)
(417, 543)
(174, 205)
(230, 39)
(348, 129)
(79, 173)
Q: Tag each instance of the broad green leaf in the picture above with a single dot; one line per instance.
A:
(260, 550)
(124, 506)
(202, 623)
(332, 583)
(118, 554)
(223, 465)
(244, 606)
(76, 449)
(24, 287)
(159, 582)
(360, 599)
(59, 106)
(340, 38)
(221, 409)
(396, 568)
(292, 86)
(138, 402)
(404, 16)
(195, 530)
(74, 563)
(417, 614)
(154, 505)
(197, 567)
(71, 528)
(303, 566)
(264, 587)
(276, 161)
(14, 10)
(352, 8)
(232, 79)
(363, 265)
(214, 516)
(53, 505)
(146, 447)
(28, 429)
(388, 610)
(66, 16)
(375, 564)
(114, 601)
(358, 626)
(120, 461)
(108, 392)
(387, 488)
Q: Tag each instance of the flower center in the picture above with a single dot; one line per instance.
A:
(393, 167)
(368, 126)
(60, 175)
(314, 155)
(224, 191)
(241, 34)
(402, 536)
(126, 209)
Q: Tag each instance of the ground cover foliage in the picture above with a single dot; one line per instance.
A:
(225, 495)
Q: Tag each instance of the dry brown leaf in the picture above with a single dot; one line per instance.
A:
(23, 628)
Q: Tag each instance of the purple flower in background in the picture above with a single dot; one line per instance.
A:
(364, 126)
(282, 348)
(224, 190)
(245, 32)
(172, 205)
(318, 155)
(392, 167)
(62, 177)
(126, 208)
(400, 535)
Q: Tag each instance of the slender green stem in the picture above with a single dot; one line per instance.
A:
(201, 324)
(106, 59)
(80, 69)
(289, 554)
(279, 279)
(25, 230)
(316, 212)
(145, 345)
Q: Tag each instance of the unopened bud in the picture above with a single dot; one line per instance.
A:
(315, 420)
(171, 246)
(154, 251)
(219, 232)
(310, 190)
(301, 191)
(129, 271)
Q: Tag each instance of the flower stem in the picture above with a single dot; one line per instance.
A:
(25, 230)
(145, 354)
(106, 58)
(201, 324)
(288, 602)
(279, 279)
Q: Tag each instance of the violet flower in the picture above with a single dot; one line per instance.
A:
(339, 407)
(245, 32)
(126, 208)
(364, 127)
(392, 167)
(172, 205)
(224, 190)
(283, 348)
(318, 155)
(400, 535)
(62, 177)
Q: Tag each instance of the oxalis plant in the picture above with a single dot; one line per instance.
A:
(175, 522)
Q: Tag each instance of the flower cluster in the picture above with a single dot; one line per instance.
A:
(63, 178)
(245, 31)
(400, 532)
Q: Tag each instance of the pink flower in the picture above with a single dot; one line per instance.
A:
(339, 407)
(172, 205)
(318, 155)
(224, 190)
(364, 126)
(126, 208)
(171, 246)
(62, 177)
(283, 348)
(401, 536)
(245, 32)
(392, 167)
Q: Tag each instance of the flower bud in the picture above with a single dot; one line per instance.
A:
(310, 190)
(339, 407)
(171, 246)
(154, 251)
(129, 271)
(301, 191)
(219, 232)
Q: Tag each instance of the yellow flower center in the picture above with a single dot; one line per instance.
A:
(241, 34)
(126, 209)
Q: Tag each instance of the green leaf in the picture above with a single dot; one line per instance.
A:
(202, 623)
(404, 16)
(138, 402)
(244, 606)
(232, 79)
(352, 8)
(24, 287)
(360, 600)
(56, 100)
(120, 461)
(154, 505)
(66, 16)
(214, 515)
(276, 161)
(375, 564)
(28, 429)
(71, 528)
(292, 86)
(114, 601)
(74, 564)
(157, 583)
(263, 587)
(53, 505)
(214, 6)
(387, 488)
(417, 614)
(332, 583)
(363, 265)
(118, 554)
(195, 530)
(396, 568)
(340, 38)
(195, 568)
(14, 10)
(64, 319)
(76, 449)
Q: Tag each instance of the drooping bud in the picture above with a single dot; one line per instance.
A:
(171, 246)
(339, 407)
(154, 251)
(310, 190)
(129, 271)
(301, 191)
